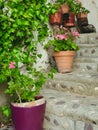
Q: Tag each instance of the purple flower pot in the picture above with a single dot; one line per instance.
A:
(29, 118)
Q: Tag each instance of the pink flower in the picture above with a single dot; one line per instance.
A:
(66, 29)
(61, 27)
(56, 36)
(61, 36)
(75, 33)
(12, 65)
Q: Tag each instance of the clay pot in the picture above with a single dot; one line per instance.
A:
(64, 60)
(82, 19)
(55, 18)
(81, 15)
(70, 22)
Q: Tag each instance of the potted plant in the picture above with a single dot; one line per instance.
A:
(19, 21)
(55, 17)
(75, 8)
(70, 21)
(82, 19)
(64, 47)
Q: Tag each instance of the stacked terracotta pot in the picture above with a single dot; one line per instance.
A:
(63, 17)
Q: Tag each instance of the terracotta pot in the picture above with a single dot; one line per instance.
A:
(28, 116)
(81, 15)
(55, 18)
(64, 60)
(65, 17)
(64, 8)
(70, 22)
(82, 19)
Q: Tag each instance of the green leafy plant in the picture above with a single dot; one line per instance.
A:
(64, 39)
(19, 22)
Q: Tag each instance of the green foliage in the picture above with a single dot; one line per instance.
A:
(24, 87)
(62, 46)
(6, 111)
(19, 20)
(76, 6)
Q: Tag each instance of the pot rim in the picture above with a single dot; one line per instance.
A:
(64, 53)
(29, 104)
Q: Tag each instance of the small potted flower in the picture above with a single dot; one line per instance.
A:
(64, 47)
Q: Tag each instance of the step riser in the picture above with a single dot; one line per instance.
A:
(76, 82)
(90, 38)
(74, 87)
(87, 52)
(88, 45)
(53, 122)
(85, 67)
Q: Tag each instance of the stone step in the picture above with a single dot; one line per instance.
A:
(85, 67)
(88, 38)
(88, 45)
(85, 64)
(65, 109)
(88, 50)
(86, 59)
(76, 82)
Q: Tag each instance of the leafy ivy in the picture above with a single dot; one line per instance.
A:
(18, 20)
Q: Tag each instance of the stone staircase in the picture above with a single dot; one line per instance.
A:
(87, 56)
(72, 98)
